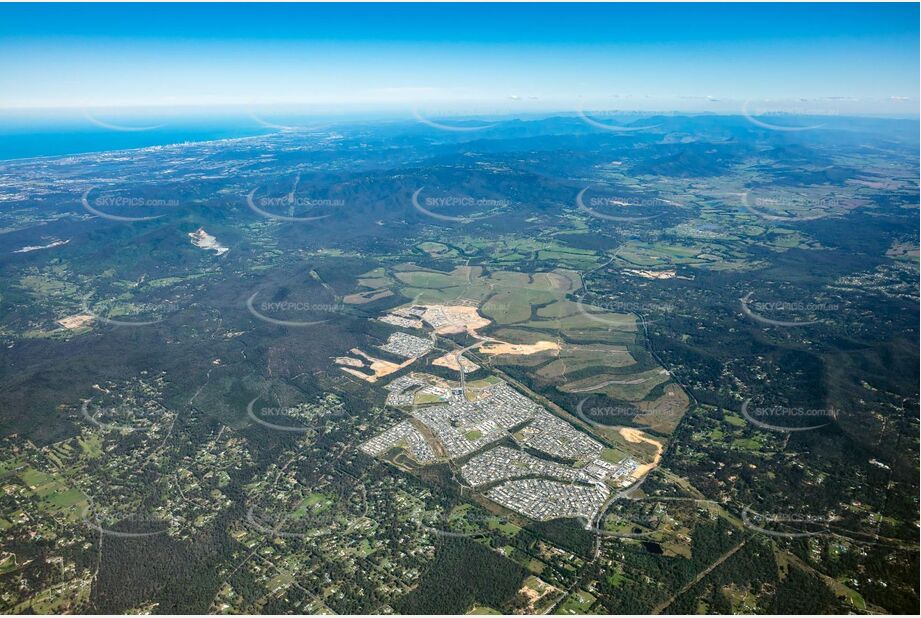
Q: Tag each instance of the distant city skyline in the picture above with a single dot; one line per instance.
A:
(460, 60)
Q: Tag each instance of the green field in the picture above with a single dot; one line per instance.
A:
(313, 504)
(579, 602)
(506, 527)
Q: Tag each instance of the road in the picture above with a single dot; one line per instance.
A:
(658, 609)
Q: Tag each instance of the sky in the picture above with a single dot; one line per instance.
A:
(463, 58)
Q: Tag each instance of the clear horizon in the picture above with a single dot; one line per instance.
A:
(347, 112)
(464, 60)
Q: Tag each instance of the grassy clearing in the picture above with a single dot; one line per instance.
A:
(482, 610)
(573, 358)
(7, 562)
(579, 602)
(313, 504)
(623, 387)
(428, 279)
(505, 527)
(59, 599)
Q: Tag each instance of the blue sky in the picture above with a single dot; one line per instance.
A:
(810, 58)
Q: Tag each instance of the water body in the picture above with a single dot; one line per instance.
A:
(21, 142)
(60, 132)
